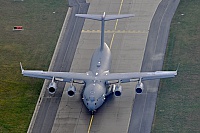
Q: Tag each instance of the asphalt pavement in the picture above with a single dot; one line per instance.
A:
(46, 108)
(144, 105)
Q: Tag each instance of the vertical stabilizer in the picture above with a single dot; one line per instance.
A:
(104, 18)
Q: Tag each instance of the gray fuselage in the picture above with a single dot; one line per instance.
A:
(95, 90)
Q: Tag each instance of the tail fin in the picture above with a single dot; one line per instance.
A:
(104, 18)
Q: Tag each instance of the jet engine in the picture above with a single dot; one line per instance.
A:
(71, 91)
(52, 88)
(118, 90)
(139, 88)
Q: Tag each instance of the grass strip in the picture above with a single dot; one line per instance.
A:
(178, 102)
(34, 46)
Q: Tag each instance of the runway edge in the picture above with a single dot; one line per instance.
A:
(144, 105)
(70, 13)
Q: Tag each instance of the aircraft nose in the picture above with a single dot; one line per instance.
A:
(91, 106)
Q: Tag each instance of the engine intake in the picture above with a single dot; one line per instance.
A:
(52, 88)
(118, 91)
(71, 91)
(139, 88)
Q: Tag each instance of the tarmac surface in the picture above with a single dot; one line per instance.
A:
(47, 106)
(127, 39)
(144, 105)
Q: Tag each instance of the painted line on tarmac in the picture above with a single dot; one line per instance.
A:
(120, 8)
(117, 31)
(90, 125)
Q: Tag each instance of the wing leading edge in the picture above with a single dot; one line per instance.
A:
(136, 76)
(60, 76)
(122, 77)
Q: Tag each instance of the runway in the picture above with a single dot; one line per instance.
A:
(127, 39)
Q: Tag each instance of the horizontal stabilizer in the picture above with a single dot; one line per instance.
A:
(90, 16)
(113, 17)
(104, 16)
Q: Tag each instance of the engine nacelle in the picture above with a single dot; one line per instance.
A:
(118, 90)
(139, 88)
(52, 88)
(71, 91)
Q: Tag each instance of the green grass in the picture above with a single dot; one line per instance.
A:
(33, 47)
(178, 102)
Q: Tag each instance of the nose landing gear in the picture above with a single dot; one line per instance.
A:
(92, 112)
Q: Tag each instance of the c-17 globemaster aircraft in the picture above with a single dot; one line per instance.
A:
(98, 81)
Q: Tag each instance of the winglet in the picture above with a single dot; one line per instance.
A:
(177, 68)
(22, 70)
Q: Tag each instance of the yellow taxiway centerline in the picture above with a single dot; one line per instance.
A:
(91, 120)
(120, 8)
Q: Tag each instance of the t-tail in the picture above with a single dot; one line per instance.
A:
(104, 18)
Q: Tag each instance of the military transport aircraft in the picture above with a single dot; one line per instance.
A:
(98, 81)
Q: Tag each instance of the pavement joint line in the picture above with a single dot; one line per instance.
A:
(68, 45)
(143, 111)
(159, 31)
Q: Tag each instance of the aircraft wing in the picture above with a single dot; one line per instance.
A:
(59, 76)
(136, 76)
